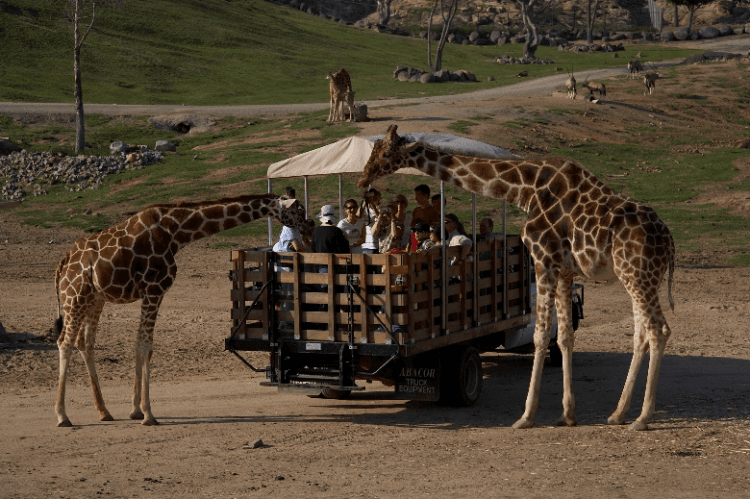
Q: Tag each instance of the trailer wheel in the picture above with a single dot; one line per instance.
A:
(461, 377)
(332, 393)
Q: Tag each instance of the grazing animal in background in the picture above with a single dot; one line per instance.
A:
(635, 67)
(338, 84)
(593, 86)
(577, 226)
(135, 260)
(347, 102)
(649, 80)
(570, 84)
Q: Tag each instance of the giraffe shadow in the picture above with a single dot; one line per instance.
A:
(635, 107)
(690, 388)
(422, 118)
(12, 342)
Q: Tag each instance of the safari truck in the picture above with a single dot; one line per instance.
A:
(409, 320)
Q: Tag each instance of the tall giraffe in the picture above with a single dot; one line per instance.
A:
(339, 83)
(576, 226)
(134, 260)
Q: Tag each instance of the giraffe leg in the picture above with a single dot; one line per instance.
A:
(141, 397)
(65, 349)
(565, 340)
(544, 288)
(639, 350)
(658, 334)
(86, 347)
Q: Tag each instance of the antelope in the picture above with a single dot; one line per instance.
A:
(635, 67)
(571, 85)
(592, 86)
(649, 80)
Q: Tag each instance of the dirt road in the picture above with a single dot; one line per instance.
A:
(212, 409)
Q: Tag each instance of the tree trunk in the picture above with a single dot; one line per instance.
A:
(532, 36)
(429, 38)
(690, 17)
(591, 7)
(77, 87)
(676, 17)
(384, 11)
(447, 20)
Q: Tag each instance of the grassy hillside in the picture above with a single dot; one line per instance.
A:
(239, 52)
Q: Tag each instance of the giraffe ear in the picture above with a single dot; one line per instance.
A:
(391, 134)
(287, 203)
(411, 146)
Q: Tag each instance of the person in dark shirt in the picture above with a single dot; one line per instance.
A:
(328, 238)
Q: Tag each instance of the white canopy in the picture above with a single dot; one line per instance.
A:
(351, 154)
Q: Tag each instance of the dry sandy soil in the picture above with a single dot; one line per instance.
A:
(212, 409)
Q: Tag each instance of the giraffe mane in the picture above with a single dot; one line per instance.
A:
(198, 204)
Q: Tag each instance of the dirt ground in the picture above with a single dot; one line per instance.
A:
(212, 409)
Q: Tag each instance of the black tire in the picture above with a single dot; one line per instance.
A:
(333, 393)
(461, 377)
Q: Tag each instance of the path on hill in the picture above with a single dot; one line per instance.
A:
(546, 85)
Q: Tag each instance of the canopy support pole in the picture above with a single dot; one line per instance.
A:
(270, 222)
(341, 197)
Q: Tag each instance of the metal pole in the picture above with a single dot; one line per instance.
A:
(505, 260)
(307, 208)
(444, 261)
(341, 198)
(475, 262)
(270, 222)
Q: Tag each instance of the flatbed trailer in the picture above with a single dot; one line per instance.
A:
(329, 320)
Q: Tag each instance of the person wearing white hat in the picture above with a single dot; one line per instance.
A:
(328, 238)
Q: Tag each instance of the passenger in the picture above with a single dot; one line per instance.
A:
(290, 240)
(353, 227)
(405, 218)
(436, 205)
(435, 235)
(457, 237)
(424, 212)
(328, 238)
(486, 226)
(369, 212)
(290, 192)
(388, 230)
(422, 233)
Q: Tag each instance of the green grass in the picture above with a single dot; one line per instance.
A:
(241, 52)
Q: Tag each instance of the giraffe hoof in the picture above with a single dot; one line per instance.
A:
(136, 415)
(523, 423)
(615, 421)
(106, 417)
(563, 421)
(638, 426)
(150, 422)
(64, 424)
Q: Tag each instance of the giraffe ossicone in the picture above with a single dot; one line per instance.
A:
(134, 260)
(576, 227)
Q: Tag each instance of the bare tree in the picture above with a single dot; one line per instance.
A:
(692, 6)
(78, 18)
(384, 11)
(591, 7)
(529, 10)
(448, 10)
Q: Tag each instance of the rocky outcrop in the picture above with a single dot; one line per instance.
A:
(31, 174)
(409, 74)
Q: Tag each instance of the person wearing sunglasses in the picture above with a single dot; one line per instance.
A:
(353, 226)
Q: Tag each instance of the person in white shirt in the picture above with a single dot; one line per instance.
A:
(353, 227)
(457, 237)
(369, 212)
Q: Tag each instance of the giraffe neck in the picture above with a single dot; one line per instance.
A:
(190, 222)
(513, 181)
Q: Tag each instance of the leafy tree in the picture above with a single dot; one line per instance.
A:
(78, 18)
(448, 10)
(692, 6)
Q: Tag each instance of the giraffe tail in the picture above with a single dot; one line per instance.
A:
(670, 281)
(57, 329)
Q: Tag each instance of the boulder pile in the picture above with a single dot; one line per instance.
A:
(31, 173)
(409, 74)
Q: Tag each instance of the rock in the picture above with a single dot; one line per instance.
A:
(360, 112)
(695, 36)
(739, 31)
(7, 147)
(709, 32)
(742, 144)
(490, 78)
(725, 30)
(442, 75)
(474, 36)
(403, 76)
(667, 36)
(427, 78)
(681, 34)
(693, 59)
(165, 145)
(495, 36)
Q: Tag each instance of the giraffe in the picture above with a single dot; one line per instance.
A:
(134, 260)
(347, 98)
(338, 84)
(576, 226)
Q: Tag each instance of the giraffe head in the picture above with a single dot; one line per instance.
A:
(388, 155)
(292, 214)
